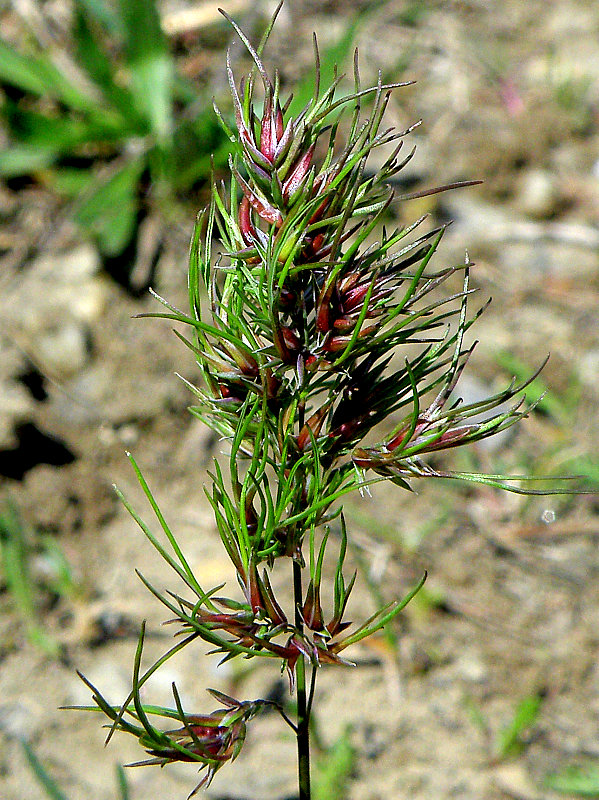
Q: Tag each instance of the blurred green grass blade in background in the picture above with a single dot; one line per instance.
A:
(560, 409)
(334, 768)
(110, 211)
(24, 160)
(150, 62)
(581, 781)
(336, 55)
(39, 76)
(88, 49)
(61, 134)
(510, 740)
(15, 552)
(47, 783)
(70, 181)
(103, 14)
(93, 54)
(50, 786)
(122, 783)
(60, 579)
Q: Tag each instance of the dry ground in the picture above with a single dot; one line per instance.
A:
(509, 92)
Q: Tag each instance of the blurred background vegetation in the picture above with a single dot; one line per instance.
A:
(99, 111)
(107, 145)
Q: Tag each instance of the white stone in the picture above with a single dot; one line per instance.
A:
(537, 194)
(78, 264)
(62, 351)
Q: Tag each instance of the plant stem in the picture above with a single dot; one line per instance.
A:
(303, 713)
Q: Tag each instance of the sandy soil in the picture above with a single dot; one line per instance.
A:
(508, 92)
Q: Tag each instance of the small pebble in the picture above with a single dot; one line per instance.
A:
(17, 720)
(537, 194)
(63, 351)
(513, 780)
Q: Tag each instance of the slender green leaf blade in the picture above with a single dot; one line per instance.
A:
(510, 739)
(110, 211)
(580, 781)
(150, 63)
(38, 75)
(25, 160)
(47, 783)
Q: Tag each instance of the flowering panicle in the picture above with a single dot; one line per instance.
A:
(206, 739)
(294, 326)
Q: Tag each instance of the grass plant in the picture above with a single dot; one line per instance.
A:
(312, 324)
